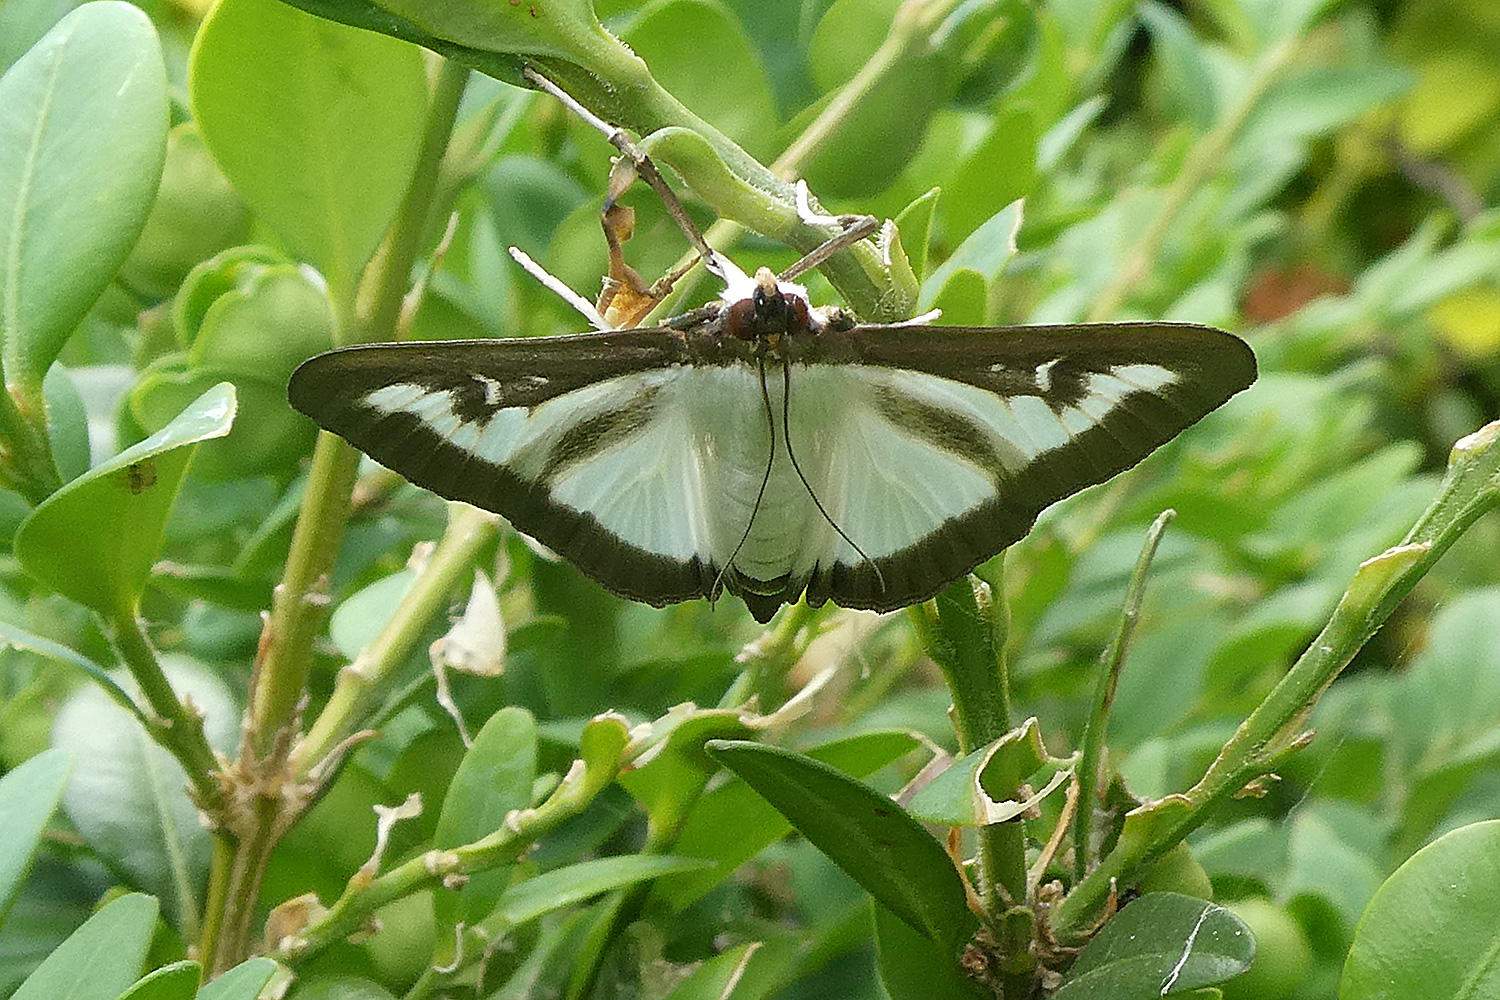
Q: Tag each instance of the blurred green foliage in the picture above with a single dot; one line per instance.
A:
(1321, 177)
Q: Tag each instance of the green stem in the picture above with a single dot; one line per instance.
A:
(964, 629)
(1202, 160)
(26, 464)
(1110, 665)
(175, 726)
(360, 683)
(1274, 730)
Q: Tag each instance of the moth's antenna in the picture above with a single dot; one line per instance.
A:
(642, 163)
(765, 397)
(856, 228)
(786, 427)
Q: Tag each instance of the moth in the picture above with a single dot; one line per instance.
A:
(772, 449)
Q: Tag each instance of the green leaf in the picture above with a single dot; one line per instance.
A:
(359, 617)
(736, 98)
(326, 987)
(986, 250)
(1181, 58)
(196, 215)
(573, 884)
(178, 981)
(755, 823)
(915, 225)
(1319, 101)
(101, 959)
(243, 982)
(975, 790)
(95, 539)
(911, 966)
(274, 319)
(316, 125)
(268, 436)
(963, 298)
(874, 840)
(1160, 945)
(1000, 170)
(127, 795)
(670, 782)
(494, 778)
(83, 134)
(67, 423)
(1433, 929)
(28, 797)
(716, 978)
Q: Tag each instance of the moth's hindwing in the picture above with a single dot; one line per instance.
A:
(650, 462)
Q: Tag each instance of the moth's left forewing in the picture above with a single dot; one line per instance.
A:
(1041, 412)
(540, 430)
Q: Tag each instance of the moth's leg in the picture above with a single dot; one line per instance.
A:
(855, 228)
(639, 161)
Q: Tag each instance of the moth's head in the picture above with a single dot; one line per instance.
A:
(766, 307)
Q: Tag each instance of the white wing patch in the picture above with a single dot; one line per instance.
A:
(681, 478)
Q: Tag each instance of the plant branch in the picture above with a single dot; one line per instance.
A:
(1201, 161)
(175, 726)
(1275, 729)
(26, 463)
(436, 869)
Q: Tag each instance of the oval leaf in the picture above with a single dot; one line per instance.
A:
(494, 778)
(100, 960)
(178, 981)
(243, 982)
(1160, 945)
(1433, 929)
(874, 840)
(554, 890)
(28, 797)
(95, 539)
(83, 136)
(315, 124)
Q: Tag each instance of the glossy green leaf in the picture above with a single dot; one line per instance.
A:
(127, 796)
(963, 299)
(874, 840)
(911, 966)
(272, 321)
(755, 822)
(736, 98)
(541, 894)
(101, 959)
(243, 982)
(95, 539)
(494, 778)
(28, 797)
(1162, 944)
(1432, 931)
(83, 132)
(316, 125)
(178, 981)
